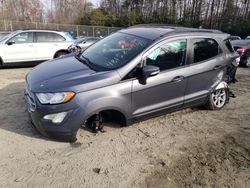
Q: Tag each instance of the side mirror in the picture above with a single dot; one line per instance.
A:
(10, 43)
(148, 71)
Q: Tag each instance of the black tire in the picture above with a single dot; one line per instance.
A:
(218, 99)
(247, 62)
(59, 54)
(1, 63)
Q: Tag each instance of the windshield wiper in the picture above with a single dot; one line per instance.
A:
(85, 61)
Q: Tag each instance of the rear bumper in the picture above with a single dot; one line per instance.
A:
(66, 130)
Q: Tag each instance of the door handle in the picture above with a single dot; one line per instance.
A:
(178, 79)
(217, 67)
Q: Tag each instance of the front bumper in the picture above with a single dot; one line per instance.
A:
(66, 130)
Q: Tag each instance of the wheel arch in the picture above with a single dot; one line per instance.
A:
(221, 85)
(122, 116)
(61, 50)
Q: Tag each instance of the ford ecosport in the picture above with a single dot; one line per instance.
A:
(134, 73)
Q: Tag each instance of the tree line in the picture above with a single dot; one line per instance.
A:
(232, 16)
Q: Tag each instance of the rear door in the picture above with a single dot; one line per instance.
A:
(166, 90)
(207, 64)
(20, 48)
(48, 43)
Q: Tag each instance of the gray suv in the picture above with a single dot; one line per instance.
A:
(132, 74)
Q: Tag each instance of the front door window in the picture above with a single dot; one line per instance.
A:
(169, 55)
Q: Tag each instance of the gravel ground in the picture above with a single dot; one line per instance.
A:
(189, 148)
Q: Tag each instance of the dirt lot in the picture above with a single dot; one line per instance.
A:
(189, 148)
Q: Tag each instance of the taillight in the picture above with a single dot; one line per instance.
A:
(241, 50)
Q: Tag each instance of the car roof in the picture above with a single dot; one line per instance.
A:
(241, 43)
(62, 33)
(156, 31)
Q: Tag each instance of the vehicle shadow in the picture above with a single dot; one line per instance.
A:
(13, 114)
(20, 65)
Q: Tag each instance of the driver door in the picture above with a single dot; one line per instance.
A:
(20, 48)
(166, 90)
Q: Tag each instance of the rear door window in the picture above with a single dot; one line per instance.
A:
(48, 37)
(228, 45)
(205, 49)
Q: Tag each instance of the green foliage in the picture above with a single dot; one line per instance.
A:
(97, 17)
(130, 18)
(85, 20)
(111, 20)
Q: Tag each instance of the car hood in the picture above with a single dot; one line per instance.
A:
(68, 74)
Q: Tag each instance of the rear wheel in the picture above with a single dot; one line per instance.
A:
(1, 62)
(218, 99)
(61, 53)
(247, 62)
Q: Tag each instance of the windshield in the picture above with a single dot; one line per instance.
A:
(3, 35)
(115, 50)
(8, 36)
(69, 35)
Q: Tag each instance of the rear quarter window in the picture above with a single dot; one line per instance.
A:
(204, 49)
(228, 45)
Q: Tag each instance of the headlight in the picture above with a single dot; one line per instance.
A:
(55, 98)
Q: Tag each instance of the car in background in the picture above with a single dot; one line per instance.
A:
(126, 44)
(82, 43)
(234, 38)
(247, 38)
(33, 45)
(129, 75)
(243, 49)
(3, 34)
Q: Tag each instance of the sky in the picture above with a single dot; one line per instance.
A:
(95, 2)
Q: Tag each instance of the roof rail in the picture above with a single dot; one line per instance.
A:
(155, 25)
(40, 29)
(177, 28)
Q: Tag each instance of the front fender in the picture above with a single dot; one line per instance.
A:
(115, 97)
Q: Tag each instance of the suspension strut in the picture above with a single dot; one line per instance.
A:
(95, 123)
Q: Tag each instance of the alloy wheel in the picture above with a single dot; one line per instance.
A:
(219, 98)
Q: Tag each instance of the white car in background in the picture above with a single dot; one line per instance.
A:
(33, 45)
